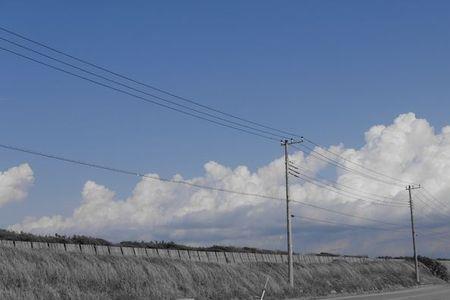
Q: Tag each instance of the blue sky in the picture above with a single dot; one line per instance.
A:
(326, 69)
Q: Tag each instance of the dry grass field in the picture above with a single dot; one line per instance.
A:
(46, 274)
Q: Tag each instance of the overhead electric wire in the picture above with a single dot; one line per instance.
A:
(348, 225)
(432, 198)
(430, 203)
(127, 172)
(433, 208)
(145, 84)
(283, 132)
(353, 195)
(433, 237)
(354, 163)
(337, 164)
(140, 91)
(335, 183)
(238, 126)
(336, 190)
(379, 203)
(136, 96)
(433, 233)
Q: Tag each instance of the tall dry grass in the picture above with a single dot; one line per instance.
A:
(46, 274)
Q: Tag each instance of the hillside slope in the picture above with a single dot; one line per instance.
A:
(46, 274)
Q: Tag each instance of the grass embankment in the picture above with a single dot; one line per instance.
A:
(45, 274)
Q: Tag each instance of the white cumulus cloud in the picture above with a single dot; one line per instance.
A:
(14, 183)
(408, 149)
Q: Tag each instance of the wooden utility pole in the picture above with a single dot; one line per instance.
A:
(286, 143)
(416, 263)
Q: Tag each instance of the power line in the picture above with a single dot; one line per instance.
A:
(345, 193)
(433, 237)
(343, 213)
(337, 164)
(354, 163)
(133, 173)
(349, 195)
(335, 184)
(279, 131)
(240, 127)
(180, 98)
(305, 169)
(137, 96)
(348, 225)
(141, 91)
(430, 196)
(145, 84)
(433, 208)
(432, 233)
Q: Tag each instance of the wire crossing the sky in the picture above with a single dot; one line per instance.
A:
(283, 132)
(217, 117)
(136, 96)
(183, 182)
(343, 192)
(140, 91)
(223, 119)
(335, 183)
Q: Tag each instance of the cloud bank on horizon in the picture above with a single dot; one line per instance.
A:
(408, 149)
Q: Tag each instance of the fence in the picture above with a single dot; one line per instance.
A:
(189, 255)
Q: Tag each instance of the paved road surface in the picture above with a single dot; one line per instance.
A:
(434, 292)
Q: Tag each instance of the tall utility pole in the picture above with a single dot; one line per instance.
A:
(286, 143)
(416, 263)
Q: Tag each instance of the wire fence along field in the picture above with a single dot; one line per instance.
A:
(187, 255)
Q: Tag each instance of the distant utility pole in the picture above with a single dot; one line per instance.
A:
(416, 263)
(286, 143)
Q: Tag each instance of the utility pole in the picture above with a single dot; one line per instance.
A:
(286, 143)
(416, 263)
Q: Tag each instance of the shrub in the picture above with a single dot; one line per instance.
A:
(436, 268)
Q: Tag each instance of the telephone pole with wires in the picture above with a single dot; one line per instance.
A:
(285, 143)
(409, 188)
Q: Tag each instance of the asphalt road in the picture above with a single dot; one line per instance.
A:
(433, 292)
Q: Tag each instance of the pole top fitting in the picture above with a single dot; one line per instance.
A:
(291, 141)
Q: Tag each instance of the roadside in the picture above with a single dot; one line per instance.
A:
(428, 292)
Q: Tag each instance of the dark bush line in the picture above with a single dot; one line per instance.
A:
(82, 239)
(434, 265)
(29, 237)
(216, 248)
(337, 255)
